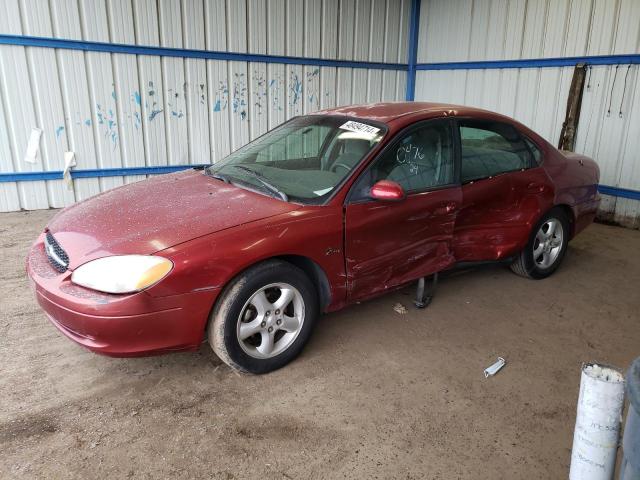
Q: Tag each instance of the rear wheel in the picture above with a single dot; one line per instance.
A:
(264, 317)
(546, 247)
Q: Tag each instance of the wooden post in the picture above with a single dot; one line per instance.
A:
(574, 102)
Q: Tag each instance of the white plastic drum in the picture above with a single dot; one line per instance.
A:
(595, 440)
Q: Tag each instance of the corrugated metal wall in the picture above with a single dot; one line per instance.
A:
(609, 126)
(116, 110)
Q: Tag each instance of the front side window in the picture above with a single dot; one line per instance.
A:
(303, 160)
(422, 159)
(491, 148)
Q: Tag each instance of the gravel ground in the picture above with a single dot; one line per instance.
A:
(376, 394)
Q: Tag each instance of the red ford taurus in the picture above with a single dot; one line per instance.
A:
(325, 210)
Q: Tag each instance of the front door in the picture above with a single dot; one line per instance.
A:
(391, 243)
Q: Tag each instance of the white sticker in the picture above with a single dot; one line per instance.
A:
(69, 161)
(323, 191)
(33, 145)
(358, 127)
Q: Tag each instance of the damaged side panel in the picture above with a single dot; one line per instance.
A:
(388, 244)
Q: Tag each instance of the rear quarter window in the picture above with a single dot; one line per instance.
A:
(491, 148)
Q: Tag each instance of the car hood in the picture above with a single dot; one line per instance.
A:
(155, 214)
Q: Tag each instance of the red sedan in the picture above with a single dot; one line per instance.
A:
(323, 211)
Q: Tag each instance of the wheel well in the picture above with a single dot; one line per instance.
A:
(309, 267)
(315, 274)
(570, 216)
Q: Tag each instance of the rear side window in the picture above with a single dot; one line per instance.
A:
(491, 148)
(537, 154)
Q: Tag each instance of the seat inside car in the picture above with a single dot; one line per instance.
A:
(421, 164)
(352, 151)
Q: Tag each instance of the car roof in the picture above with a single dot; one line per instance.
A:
(387, 112)
(397, 115)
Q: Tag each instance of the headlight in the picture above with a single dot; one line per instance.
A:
(122, 274)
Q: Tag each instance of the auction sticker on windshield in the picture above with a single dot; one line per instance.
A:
(360, 128)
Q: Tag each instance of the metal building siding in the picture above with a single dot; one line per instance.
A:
(609, 126)
(126, 83)
(19, 111)
(123, 110)
(467, 30)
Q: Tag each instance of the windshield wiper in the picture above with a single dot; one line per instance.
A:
(216, 175)
(260, 178)
(221, 177)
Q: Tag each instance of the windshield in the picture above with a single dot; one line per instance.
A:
(303, 160)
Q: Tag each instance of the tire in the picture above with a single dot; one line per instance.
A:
(539, 259)
(249, 329)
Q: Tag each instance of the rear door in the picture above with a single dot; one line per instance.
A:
(391, 243)
(502, 187)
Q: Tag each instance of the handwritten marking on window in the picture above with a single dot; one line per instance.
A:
(407, 153)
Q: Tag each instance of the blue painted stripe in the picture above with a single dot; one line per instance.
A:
(414, 28)
(619, 192)
(532, 62)
(118, 172)
(86, 46)
(94, 173)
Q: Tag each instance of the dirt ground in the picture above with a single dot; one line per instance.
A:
(375, 394)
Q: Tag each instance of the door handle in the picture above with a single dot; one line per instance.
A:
(534, 187)
(448, 208)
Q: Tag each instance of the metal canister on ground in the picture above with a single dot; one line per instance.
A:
(595, 440)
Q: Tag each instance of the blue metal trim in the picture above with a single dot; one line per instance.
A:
(414, 29)
(30, 176)
(619, 192)
(157, 170)
(94, 173)
(27, 41)
(533, 62)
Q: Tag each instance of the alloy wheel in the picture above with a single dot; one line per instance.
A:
(270, 320)
(548, 243)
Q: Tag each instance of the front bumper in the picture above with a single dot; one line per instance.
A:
(118, 325)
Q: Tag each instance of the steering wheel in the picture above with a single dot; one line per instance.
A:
(340, 164)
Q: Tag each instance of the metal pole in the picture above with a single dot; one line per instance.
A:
(630, 467)
(412, 50)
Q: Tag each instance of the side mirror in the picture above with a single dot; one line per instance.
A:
(386, 190)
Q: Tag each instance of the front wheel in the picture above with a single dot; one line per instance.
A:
(264, 317)
(546, 247)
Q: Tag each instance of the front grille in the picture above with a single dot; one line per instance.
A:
(58, 258)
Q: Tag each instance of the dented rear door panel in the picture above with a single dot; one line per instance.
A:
(498, 213)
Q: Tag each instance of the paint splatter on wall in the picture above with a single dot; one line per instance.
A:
(176, 101)
(312, 82)
(259, 91)
(238, 98)
(137, 112)
(152, 105)
(275, 92)
(295, 89)
(239, 95)
(221, 97)
(107, 123)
